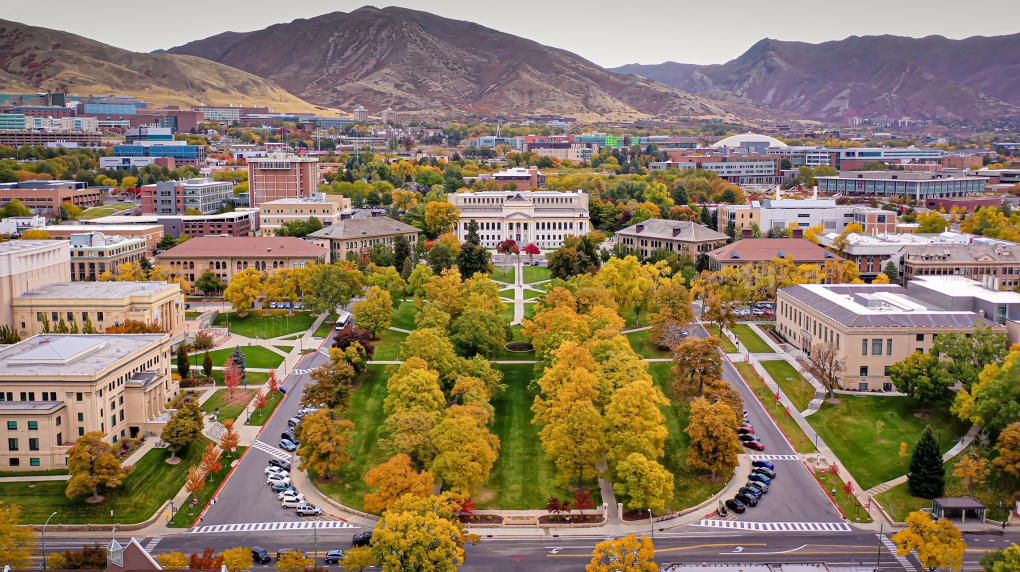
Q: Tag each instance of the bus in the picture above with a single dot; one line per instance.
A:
(343, 319)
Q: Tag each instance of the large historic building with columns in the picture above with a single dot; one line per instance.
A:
(539, 217)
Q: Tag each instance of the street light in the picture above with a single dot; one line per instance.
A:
(44, 539)
(651, 523)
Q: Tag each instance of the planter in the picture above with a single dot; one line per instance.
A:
(519, 347)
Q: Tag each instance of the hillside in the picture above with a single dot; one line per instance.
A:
(34, 59)
(416, 61)
(934, 78)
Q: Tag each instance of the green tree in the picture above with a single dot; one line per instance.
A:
(964, 356)
(931, 222)
(435, 348)
(331, 286)
(892, 272)
(208, 283)
(479, 332)
(332, 386)
(183, 428)
(473, 258)
(375, 312)
(91, 464)
(183, 365)
(17, 542)
(401, 251)
(207, 364)
(440, 257)
(244, 289)
(994, 401)
(16, 208)
(324, 442)
(920, 376)
(238, 358)
(927, 476)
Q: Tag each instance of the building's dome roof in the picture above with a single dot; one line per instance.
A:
(735, 141)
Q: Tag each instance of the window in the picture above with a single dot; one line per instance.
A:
(81, 431)
(919, 337)
(60, 439)
(121, 414)
(34, 461)
(113, 420)
(12, 444)
(864, 347)
(33, 425)
(12, 425)
(81, 416)
(78, 396)
(876, 347)
(58, 421)
(864, 371)
(888, 347)
(120, 400)
(15, 462)
(919, 350)
(33, 444)
(886, 373)
(99, 316)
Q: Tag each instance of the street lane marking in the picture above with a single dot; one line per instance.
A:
(271, 526)
(300, 371)
(150, 545)
(777, 526)
(657, 551)
(740, 550)
(775, 457)
(892, 548)
(267, 448)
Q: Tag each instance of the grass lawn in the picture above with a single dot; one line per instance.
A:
(536, 274)
(898, 502)
(529, 293)
(256, 356)
(644, 346)
(105, 210)
(850, 429)
(366, 412)
(503, 274)
(186, 516)
(508, 312)
(403, 316)
(851, 507)
(151, 483)
(327, 326)
(688, 488)
(192, 315)
(285, 349)
(387, 347)
(751, 340)
(789, 427)
(50, 472)
(726, 345)
(259, 417)
(254, 377)
(507, 293)
(256, 324)
(529, 311)
(229, 408)
(790, 382)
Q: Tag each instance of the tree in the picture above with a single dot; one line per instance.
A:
(173, 560)
(627, 554)
(332, 387)
(713, 431)
(15, 208)
(17, 542)
(472, 258)
(208, 283)
(294, 561)
(433, 346)
(972, 470)
(920, 376)
(466, 450)
(230, 437)
(394, 479)
(331, 286)
(401, 251)
(927, 476)
(696, 361)
(375, 312)
(531, 250)
(207, 364)
(479, 332)
(719, 313)
(195, 481)
(232, 376)
(634, 423)
(357, 559)
(272, 384)
(350, 335)
(259, 401)
(420, 534)
(931, 222)
(133, 327)
(35, 234)
(881, 279)
(440, 217)
(183, 428)
(994, 400)
(1008, 447)
(964, 356)
(647, 483)
(88, 558)
(183, 365)
(91, 464)
(565, 262)
(892, 272)
(237, 559)
(324, 441)
(582, 501)
(825, 364)
(840, 243)
(211, 460)
(70, 211)
(673, 309)
(934, 544)
(440, 257)
(244, 289)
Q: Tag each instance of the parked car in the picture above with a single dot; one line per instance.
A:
(749, 500)
(760, 486)
(534, 263)
(280, 488)
(274, 462)
(334, 556)
(744, 437)
(271, 470)
(288, 435)
(735, 505)
(759, 477)
(273, 479)
(756, 445)
(306, 509)
(288, 445)
(297, 305)
(259, 554)
(293, 422)
(768, 313)
(283, 551)
(763, 463)
(745, 430)
(751, 491)
(763, 471)
(291, 494)
(272, 305)
(363, 539)
(757, 312)
(291, 502)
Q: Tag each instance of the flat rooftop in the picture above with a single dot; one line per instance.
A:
(98, 290)
(30, 406)
(960, 287)
(70, 354)
(23, 246)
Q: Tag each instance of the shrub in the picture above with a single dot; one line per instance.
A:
(203, 341)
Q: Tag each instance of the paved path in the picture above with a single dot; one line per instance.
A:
(954, 451)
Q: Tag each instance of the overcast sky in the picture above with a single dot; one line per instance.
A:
(609, 33)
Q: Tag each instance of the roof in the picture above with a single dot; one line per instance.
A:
(744, 138)
(960, 287)
(763, 249)
(878, 306)
(98, 290)
(245, 246)
(684, 231)
(30, 406)
(359, 228)
(958, 503)
(961, 253)
(70, 354)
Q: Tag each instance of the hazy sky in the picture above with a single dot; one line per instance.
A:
(607, 33)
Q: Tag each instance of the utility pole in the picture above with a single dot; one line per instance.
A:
(878, 562)
(44, 539)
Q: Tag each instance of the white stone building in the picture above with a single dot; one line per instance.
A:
(539, 217)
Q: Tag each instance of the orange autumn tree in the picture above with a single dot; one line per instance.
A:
(232, 377)
(230, 438)
(210, 460)
(274, 384)
(259, 401)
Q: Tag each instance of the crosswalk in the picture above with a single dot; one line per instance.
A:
(775, 457)
(151, 544)
(300, 371)
(777, 526)
(892, 548)
(273, 526)
(267, 448)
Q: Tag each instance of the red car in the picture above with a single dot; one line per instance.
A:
(756, 445)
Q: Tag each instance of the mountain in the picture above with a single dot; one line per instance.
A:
(416, 61)
(33, 59)
(933, 78)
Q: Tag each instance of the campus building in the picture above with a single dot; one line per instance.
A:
(873, 326)
(359, 235)
(748, 250)
(55, 388)
(225, 255)
(919, 186)
(539, 217)
(104, 303)
(330, 209)
(241, 222)
(93, 253)
(281, 176)
(779, 213)
(150, 233)
(28, 264)
(524, 178)
(175, 197)
(45, 197)
(999, 261)
(681, 237)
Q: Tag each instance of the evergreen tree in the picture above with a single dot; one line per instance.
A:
(406, 268)
(88, 327)
(472, 236)
(927, 476)
(239, 358)
(207, 364)
(183, 365)
(401, 251)
(891, 271)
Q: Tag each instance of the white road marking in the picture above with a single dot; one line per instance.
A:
(776, 526)
(272, 526)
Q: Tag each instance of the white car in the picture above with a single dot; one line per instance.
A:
(275, 471)
(278, 480)
(291, 502)
(308, 510)
(291, 495)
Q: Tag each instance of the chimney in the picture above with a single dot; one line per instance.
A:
(639, 228)
(798, 233)
(746, 233)
(677, 231)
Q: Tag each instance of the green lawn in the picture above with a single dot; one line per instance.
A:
(529, 293)
(849, 429)
(752, 341)
(366, 412)
(726, 345)
(260, 417)
(151, 483)
(229, 408)
(898, 502)
(503, 274)
(529, 311)
(256, 324)
(688, 488)
(50, 472)
(256, 357)
(105, 210)
(790, 382)
(508, 312)
(403, 316)
(186, 515)
(507, 293)
(851, 507)
(536, 274)
(192, 315)
(644, 346)
(793, 432)
(284, 349)
(254, 377)
(327, 326)
(387, 347)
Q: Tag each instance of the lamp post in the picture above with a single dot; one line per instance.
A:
(44, 539)
(651, 523)
(878, 563)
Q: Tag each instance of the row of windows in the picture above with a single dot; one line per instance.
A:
(28, 396)
(876, 347)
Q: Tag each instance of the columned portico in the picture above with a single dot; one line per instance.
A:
(542, 218)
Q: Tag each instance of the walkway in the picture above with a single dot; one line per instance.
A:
(954, 451)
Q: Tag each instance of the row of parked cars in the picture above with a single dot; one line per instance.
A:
(762, 472)
(288, 441)
(285, 305)
(335, 556)
(278, 475)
